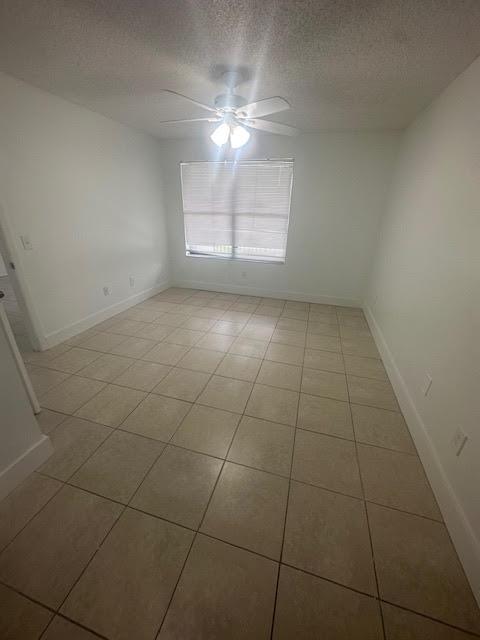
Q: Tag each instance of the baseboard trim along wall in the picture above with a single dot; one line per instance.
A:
(457, 523)
(24, 465)
(56, 337)
(266, 293)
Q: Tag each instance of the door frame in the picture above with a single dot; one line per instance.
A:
(16, 275)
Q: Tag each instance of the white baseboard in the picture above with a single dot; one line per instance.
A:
(23, 466)
(301, 296)
(458, 525)
(56, 337)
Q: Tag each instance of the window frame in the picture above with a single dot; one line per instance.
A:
(234, 258)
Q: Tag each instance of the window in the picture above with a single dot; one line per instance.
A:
(237, 209)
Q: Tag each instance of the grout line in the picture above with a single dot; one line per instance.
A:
(372, 553)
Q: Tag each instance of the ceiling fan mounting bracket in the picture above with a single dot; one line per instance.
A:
(229, 101)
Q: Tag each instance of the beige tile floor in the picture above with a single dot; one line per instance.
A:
(226, 467)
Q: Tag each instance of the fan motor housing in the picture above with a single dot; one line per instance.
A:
(229, 101)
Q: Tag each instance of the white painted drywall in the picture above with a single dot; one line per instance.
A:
(339, 193)
(87, 192)
(23, 446)
(424, 297)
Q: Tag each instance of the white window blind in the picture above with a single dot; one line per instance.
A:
(237, 209)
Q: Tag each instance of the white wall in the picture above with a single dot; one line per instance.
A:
(339, 194)
(424, 297)
(23, 446)
(88, 193)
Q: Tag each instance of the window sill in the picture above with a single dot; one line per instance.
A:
(243, 260)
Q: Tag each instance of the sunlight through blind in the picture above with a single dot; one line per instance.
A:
(237, 209)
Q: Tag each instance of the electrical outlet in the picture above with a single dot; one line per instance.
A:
(107, 291)
(27, 245)
(132, 282)
(427, 385)
(459, 441)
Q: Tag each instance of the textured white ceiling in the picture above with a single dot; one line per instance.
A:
(342, 64)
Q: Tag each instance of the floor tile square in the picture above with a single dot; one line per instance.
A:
(183, 384)
(112, 405)
(248, 509)
(418, 567)
(324, 343)
(267, 446)
(327, 534)
(199, 324)
(118, 466)
(125, 590)
(309, 607)
(289, 324)
(58, 543)
(360, 346)
(278, 374)
(324, 383)
(21, 619)
(382, 428)
(324, 360)
(62, 629)
(73, 360)
(325, 415)
(270, 403)
(134, 347)
(165, 353)
(323, 328)
(103, 342)
(239, 367)
(405, 625)
(172, 319)
(186, 337)
(142, 375)
(178, 486)
(73, 442)
(44, 379)
(71, 394)
(396, 480)
(226, 393)
(326, 462)
(106, 368)
(224, 592)
(207, 430)
(157, 417)
(257, 332)
(216, 342)
(293, 338)
(206, 360)
(48, 420)
(285, 353)
(23, 503)
(127, 327)
(155, 332)
(365, 367)
(247, 347)
(375, 393)
(227, 328)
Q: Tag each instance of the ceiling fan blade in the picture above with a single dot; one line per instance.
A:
(199, 104)
(271, 127)
(189, 120)
(263, 107)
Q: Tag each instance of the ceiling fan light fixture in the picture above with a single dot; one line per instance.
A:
(220, 135)
(239, 136)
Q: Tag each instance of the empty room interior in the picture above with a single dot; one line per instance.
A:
(239, 320)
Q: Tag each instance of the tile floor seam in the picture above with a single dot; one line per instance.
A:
(372, 552)
(205, 510)
(272, 628)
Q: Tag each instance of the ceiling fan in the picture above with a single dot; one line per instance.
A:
(234, 116)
